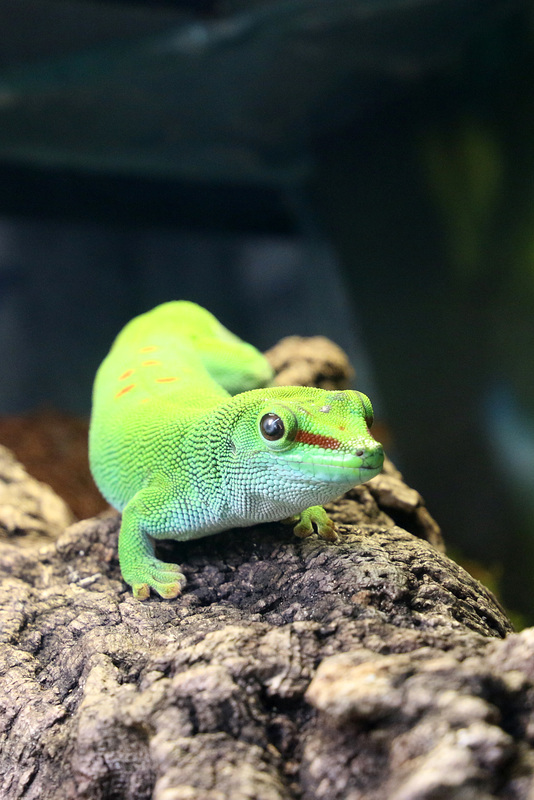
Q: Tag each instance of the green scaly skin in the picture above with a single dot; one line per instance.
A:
(182, 458)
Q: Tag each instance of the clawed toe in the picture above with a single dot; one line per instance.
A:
(141, 591)
(165, 579)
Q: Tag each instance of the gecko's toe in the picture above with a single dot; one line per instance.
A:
(168, 581)
(315, 518)
(165, 579)
(141, 591)
(169, 590)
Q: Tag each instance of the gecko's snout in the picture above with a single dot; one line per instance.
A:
(372, 455)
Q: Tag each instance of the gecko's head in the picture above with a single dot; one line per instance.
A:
(308, 437)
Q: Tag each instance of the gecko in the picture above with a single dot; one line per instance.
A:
(189, 437)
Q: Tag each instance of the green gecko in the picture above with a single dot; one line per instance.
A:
(187, 438)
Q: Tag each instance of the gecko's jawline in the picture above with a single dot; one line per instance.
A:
(349, 463)
(350, 474)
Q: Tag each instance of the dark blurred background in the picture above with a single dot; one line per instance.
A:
(360, 169)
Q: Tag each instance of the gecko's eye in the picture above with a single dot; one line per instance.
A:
(272, 427)
(367, 409)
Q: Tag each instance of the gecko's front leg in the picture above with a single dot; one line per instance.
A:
(139, 566)
(313, 519)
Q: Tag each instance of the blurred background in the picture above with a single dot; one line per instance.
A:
(363, 169)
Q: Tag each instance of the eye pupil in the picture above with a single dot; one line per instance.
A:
(272, 427)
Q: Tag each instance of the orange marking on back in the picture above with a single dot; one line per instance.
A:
(149, 349)
(124, 390)
(126, 374)
(150, 363)
(165, 380)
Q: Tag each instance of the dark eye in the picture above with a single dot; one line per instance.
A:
(272, 427)
(367, 409)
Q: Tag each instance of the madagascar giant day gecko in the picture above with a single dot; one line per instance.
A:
(182, 458)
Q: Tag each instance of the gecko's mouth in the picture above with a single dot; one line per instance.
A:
(347, 467)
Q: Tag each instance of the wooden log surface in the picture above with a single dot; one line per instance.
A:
(372, 667)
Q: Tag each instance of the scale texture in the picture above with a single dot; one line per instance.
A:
(187, 440)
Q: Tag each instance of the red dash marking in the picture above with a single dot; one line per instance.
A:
(342, 428)
(126, 374)
(149, 349)
(150, 363)
(165, 380)
(126, 389)
(327, 442)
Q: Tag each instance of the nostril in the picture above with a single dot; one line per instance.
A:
(360, 452)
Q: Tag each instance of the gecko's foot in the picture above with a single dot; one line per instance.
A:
(313, 519)
(165, 579)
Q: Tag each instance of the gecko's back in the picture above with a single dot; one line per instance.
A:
(166, 369)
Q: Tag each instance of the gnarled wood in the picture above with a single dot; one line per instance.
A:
(373, 667)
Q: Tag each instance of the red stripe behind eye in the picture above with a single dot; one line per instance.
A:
(327, 442)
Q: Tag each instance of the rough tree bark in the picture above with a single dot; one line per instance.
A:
(373, 667)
